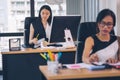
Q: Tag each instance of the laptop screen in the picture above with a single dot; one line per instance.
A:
(60, 23)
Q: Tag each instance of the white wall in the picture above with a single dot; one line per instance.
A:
(118, 17)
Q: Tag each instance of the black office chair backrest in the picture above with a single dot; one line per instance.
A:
(28, 21)
(86, 29)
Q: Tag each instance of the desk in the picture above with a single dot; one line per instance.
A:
(38, 50)
(79, 74)
(23, 64)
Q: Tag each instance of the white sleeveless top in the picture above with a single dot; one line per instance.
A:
(48, 31)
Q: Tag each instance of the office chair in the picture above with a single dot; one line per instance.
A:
(28, 21)
(32, 60)
(86, 29)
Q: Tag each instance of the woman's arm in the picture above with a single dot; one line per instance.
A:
(31, 39)
(86, 58)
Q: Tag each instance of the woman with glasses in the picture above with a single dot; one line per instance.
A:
(102, 47)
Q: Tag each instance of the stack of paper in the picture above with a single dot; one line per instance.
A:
(84, 65)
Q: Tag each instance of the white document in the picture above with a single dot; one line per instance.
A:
(39, 43)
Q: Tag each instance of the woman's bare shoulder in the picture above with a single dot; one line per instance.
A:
(89, 38)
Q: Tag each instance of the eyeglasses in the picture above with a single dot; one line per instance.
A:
(108, 24)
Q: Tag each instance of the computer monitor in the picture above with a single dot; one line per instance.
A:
(60, 23)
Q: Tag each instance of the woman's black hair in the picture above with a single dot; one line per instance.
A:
(106, 12)
(49, 9)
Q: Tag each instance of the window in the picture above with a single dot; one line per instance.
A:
(58, 6)
(12, 18)
(13, 13)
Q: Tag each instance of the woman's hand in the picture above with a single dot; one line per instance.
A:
(111, 60)
(93, 58)
(34, 41)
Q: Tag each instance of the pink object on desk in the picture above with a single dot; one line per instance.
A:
(73, 66)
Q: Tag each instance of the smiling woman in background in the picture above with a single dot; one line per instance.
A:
(41, 28)
(102, 47)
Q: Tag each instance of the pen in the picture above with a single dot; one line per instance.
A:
(37, 35)
(43, 56)
(50, 55)
(59, 55)
(53, 56)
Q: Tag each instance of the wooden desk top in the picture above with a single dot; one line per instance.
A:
(38, 50)
(79, 73)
